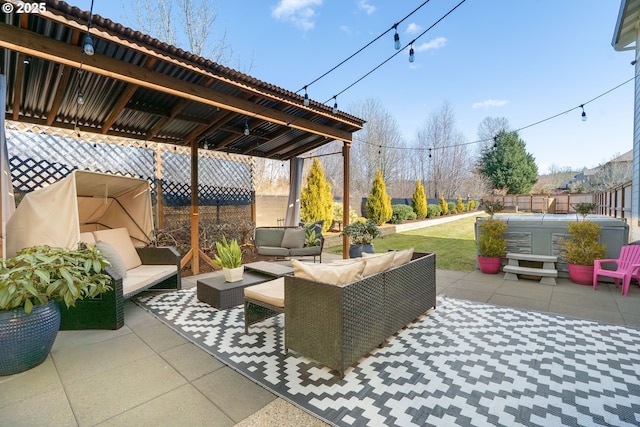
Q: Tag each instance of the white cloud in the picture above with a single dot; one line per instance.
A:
(413, 28)
(490, 103)
(299, 12)
(345, 29)
(366, 6)
(433, 44)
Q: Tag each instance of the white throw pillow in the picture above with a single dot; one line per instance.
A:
(327, 273)
(376, 263)
(402, 257)
(110, 253)
(121, 242)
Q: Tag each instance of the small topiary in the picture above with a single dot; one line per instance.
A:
(452, 207)
(459, 205)
(379, 203)
(444, 206)
(419, 201)
(402, 213)
(491, 242)
(433, 211)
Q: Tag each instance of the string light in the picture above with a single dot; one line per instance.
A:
(306, 97)
(396, 38)
(584, 115)
(80, 99)
(88, 45)
(246, 128)
(335, 106)
(412, 56)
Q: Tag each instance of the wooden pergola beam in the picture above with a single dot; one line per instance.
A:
(42, 47)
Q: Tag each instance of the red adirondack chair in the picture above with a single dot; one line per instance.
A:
(627, 266)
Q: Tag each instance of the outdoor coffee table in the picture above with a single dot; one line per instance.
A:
(222, 295)
(272, 268)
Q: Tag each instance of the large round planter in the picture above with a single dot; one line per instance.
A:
(233, 274)
(581, 274)
(489, 265)
(26, 339)
(355, 251)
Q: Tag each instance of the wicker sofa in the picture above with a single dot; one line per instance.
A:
(133, 270)
(337, 325)
(272, 241)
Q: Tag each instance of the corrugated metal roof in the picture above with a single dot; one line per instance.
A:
(137, 86)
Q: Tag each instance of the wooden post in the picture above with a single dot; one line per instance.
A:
(346, 150)
(195, 243)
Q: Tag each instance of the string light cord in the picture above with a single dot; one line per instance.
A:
(394, 55)
(515, 130)
(394, 26)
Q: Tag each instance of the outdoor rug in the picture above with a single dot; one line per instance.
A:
(464, 363)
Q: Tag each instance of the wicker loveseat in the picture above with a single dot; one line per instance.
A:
(285, 242)
(337, 325)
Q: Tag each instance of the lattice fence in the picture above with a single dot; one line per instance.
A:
(39, 156)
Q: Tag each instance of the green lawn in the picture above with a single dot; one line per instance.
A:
(452, 242)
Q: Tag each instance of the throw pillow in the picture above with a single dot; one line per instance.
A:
(293, 238)
(121, 242)
(402, 257)
(327, 273)
(376, 263)
(110, 253)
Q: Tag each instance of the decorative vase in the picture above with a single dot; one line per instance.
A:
(489, 265)
(581, 274)
(26, 339)
(355, 251)
(233, 274)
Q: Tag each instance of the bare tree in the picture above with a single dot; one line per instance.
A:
(271, 176)
(489, 128)
(175, 20)
(445, 159)
(615, 172)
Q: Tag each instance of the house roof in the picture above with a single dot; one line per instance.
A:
(625, 34)
(138, 87)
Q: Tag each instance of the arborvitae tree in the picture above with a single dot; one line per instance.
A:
(419, 202)
(444, 205)
(459, 205)
(379, 202)
(316, 199)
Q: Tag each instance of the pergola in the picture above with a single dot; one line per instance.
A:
(138, 87)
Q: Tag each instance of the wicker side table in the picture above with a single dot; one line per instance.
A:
(222, 295)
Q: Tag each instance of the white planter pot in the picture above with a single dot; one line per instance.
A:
(233, 274)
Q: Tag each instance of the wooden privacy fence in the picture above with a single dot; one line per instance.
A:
(615, 202)
(542, 203)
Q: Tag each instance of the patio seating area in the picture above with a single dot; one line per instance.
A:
(147, 374)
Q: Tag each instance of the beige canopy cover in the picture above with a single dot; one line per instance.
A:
(82, 201)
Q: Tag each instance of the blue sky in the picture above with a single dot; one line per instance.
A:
(525, 60)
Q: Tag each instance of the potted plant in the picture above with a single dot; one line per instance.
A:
(32, 284)
(361, 234)
(580, 250)
(229, 257)
(491, 245)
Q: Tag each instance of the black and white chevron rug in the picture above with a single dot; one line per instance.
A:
(464, 363)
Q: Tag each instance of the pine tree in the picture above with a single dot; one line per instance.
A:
(316, 199)
(459, 205)
(379, 203)
(419, 202)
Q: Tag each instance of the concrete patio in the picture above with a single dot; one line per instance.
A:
(146, 374)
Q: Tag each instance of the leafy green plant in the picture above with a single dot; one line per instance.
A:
(338, 209)
(311, 238)
(402, 213)
(229, 254)
(491, 242)
(582, 246)
(433, 211)
(451, 207)
(39, 274)
(472, 205)
(361, 233)
(419, 201)
(492, 207)
(378, 204)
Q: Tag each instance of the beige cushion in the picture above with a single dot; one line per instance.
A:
(271, 292)
(121, 242)
(402, 257)
(87, 237)
(293, 238)
(110, 253)
(328, 273)
(145, 276)
(376, 263)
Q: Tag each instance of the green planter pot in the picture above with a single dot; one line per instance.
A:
(26, 339)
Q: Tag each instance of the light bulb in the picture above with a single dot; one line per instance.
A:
(396, 41)
(306, 100)
(88, 46)
(246, 128)
(335, 105)
(80, 99)
(412, 56)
